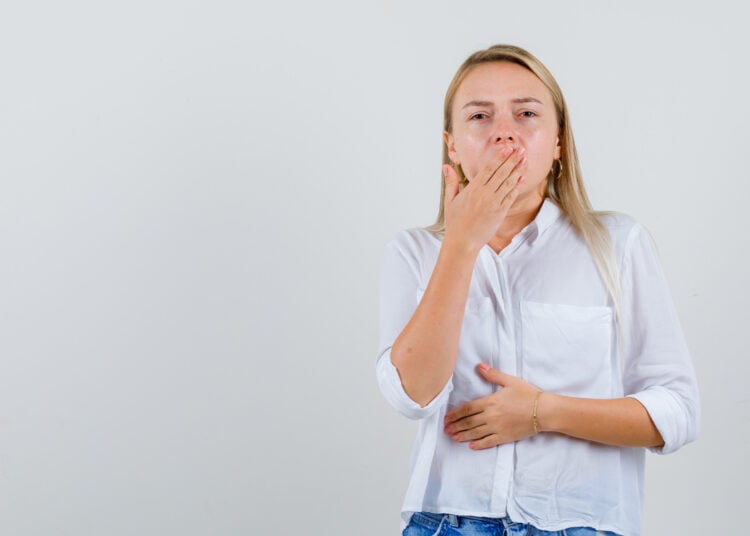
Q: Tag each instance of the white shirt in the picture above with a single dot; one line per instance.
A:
(539, 310)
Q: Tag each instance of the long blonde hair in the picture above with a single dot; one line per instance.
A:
(564, 183)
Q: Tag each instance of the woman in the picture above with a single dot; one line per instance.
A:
(534, 339)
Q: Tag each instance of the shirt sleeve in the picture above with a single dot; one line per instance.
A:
(399, 291)
(657, 369)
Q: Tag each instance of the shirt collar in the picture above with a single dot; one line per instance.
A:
(548, 213)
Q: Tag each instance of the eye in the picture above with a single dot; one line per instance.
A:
(478, 116)
(528, 113)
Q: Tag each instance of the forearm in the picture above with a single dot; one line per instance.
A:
(425, 351)
(621, 422)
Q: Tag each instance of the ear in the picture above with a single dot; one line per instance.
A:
(558, 150)
(449, 143)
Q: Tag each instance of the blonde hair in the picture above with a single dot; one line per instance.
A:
(564, 184)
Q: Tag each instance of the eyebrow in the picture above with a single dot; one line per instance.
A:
(519, 100)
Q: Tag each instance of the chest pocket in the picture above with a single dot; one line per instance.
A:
(567, 349)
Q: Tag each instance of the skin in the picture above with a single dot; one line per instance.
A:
(505, 138)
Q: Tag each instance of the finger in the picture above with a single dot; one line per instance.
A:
(472, 421)
(507, 193)
(507, 174)
(466, 410)
(475, 434)
(494, 376)
(486, 442)
(494, 165)
(507, 200)
(504, 188)
(451, 182)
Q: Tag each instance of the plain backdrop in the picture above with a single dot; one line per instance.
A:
(194, 202)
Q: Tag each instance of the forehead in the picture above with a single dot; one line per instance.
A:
(500, 81)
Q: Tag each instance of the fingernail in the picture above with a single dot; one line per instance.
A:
(483, 367)
(520, 180)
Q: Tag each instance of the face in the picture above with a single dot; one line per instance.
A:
(499, 104)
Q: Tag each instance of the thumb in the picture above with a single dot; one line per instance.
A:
(451, 182)
(493, 375)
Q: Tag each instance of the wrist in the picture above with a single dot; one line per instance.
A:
(464, 248)
(545, 412)
(535, 413)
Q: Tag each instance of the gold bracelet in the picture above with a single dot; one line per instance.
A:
(535, 421)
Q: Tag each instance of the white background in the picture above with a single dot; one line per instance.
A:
(194, 202)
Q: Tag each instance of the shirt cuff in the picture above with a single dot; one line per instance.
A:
(677, 424)
(393, 391)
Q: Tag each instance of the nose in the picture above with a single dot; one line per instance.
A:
(504, 134)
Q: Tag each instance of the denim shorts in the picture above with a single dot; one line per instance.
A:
(428, 524)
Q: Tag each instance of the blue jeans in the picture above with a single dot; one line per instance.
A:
(428, 524)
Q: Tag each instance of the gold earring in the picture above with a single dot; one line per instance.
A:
(556, 174)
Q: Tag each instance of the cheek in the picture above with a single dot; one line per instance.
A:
(470, 153)
(469, 142)
(543, 149)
